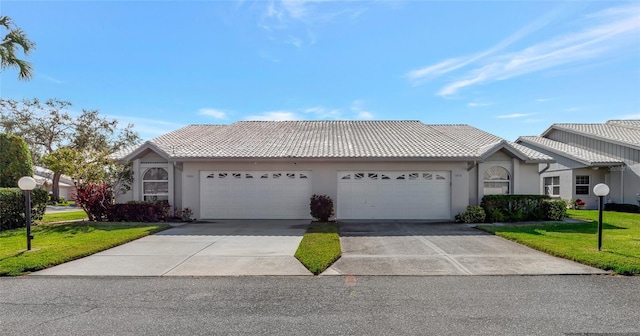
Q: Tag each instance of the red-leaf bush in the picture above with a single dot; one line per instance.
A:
(321, 207)
(95, 199)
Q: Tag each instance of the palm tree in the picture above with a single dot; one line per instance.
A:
(15, 38)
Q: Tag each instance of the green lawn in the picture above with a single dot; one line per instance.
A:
(320, 246)
(63, 216)
(620, 239)
(56, 244)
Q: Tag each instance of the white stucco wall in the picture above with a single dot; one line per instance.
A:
(324, 176)
(525, 177)
(466, 183)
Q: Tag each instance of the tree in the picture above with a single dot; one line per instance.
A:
(15, 160)
(75, 145)
(14, 39)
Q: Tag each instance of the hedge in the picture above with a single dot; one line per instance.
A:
(515, 208)
(632, 208)
(15, 160)
(138, 212)
(12, 207)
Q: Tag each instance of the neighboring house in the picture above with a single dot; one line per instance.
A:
(588, 154)
(44, 180)
(371, 169)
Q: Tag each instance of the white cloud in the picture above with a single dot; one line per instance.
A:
(294, 21)
(355, 110)
(513, 115)
(479, 104)
(605, 33)
(321, 112)
(628, 116)
(541, 100)
(427, 73)
(147, 128)
(50, 78)
(365, 115)
(274, 116)
(357, 106)
(294, 41)
(211, 112)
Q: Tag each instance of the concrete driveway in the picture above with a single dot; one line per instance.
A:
(227, 248)
(415, 248)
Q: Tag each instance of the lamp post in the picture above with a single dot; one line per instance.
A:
(601, 190)
(27, 183)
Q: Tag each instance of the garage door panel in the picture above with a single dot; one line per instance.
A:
(246, 195)
(394, 195)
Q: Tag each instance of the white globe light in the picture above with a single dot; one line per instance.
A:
(601, 189)
(26, 183)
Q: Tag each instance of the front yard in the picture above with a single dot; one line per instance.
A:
(56, 244)
(578, 241)
(63, 216)
(320, 246)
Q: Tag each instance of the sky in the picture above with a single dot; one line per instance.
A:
(511, 68)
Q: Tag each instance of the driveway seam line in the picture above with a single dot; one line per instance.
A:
(455, 263)
(189, 257)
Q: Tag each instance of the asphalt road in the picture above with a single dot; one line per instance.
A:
(340, 305)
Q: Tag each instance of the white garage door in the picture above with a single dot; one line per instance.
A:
(394, 195)
(255, 194)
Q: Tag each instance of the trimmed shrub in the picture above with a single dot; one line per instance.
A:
(632, 208)
(15, 160)
(515, 207)
(495, 215)
(12, 207)
(321, 207)
(556, 209)
(95, 199)
(138, 212)
(473, 214)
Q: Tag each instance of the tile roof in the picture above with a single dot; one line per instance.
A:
(625, 132)
(329, 139)
(532, 154)
(582, 155)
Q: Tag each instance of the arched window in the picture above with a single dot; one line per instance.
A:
(496, 181)
(155, 185)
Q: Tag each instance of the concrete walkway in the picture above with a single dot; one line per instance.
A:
(414, 248)
(224, 248)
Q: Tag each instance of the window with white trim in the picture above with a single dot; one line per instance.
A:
(552, 185)
(582, 184)
(497, 181)
(155, 185)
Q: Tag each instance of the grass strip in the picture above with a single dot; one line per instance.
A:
(578, 241)
(56, 244)
(320, 246)
(63, 216)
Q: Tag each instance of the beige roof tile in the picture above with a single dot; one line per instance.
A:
(327, 139)
(626, 132)
(585, 156)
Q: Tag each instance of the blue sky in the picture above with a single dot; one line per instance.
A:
(509, 68)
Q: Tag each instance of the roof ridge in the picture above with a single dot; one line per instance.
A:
(621, 123)
(327, 121)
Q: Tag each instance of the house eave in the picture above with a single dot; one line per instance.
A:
(323, 159)
(147, 145)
